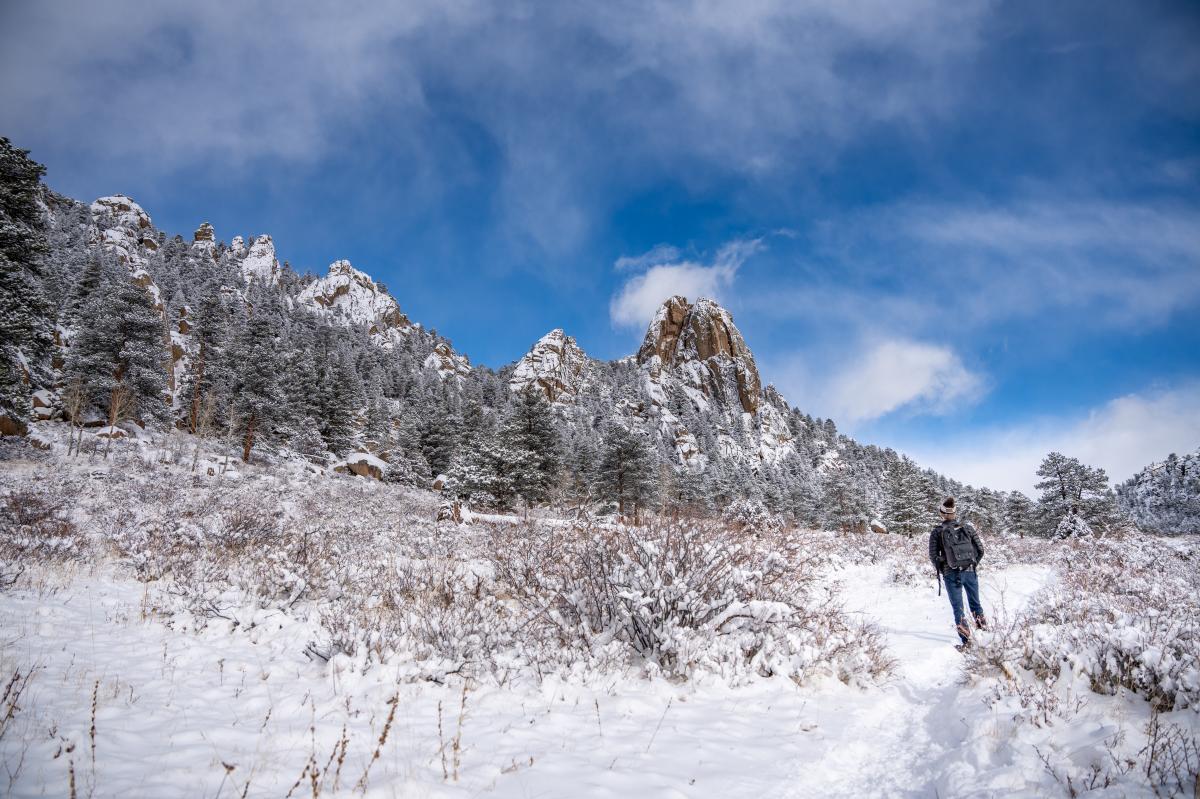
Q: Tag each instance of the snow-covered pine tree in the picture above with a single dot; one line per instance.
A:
(844, 502)
(529, 431)
(906, 511)
(440, 431)
(118, 355)
(580, 467)
(142, 361)
(1019, 513)
(208, 378)
(340, 400)
(489, 472)
(254, 391)
(25, 324)
(1069, 486)
(627, 470)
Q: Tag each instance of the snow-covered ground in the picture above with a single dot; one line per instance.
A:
(135, 662)
(181, 712)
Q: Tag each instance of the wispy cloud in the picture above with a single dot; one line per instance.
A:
(1108, 264)
(657, 255)
(548, 88)
(898, 374)
(877, 376)
(1122, 435)
(636, 301)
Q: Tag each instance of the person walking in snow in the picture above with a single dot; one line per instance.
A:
(955, 550)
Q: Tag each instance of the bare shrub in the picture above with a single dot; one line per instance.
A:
(1171, 758)
(684, 598)
(34, 524)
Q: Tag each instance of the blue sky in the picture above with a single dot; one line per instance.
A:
(969, 230)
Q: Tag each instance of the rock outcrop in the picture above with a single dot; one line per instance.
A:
(697, 368)
(260, 262)
(683, 336)
(557, 366)
(352, 298)
(121, 228)
(448, 363)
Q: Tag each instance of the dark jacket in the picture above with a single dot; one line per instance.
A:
(937, 556)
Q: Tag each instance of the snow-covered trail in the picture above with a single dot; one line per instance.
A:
(909, 738)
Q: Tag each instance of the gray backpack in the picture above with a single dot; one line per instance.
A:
(957, 548)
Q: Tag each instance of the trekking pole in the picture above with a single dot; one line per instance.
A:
(938, 577)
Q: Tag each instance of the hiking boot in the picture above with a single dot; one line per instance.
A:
(964, 646)
(964, 632)
(981, 622)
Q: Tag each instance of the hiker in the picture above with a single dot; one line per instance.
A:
(955, 550)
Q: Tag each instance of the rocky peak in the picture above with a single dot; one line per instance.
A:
(204, 233)
(353, 298)
(683, 336)
(123, 212)
(556, 365)
(120, 226)
(260, 262)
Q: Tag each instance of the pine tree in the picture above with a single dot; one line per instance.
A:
(845, 504)
(906, 514)
(340, 401)
(143, 355)
(529, 432)
(1070, 487)
(255, 390)
(489, 473)
(119, 355)
(1019, 513)
(25, 314)
(440, 437)
(581, 465)
(209, 373)
(627, 470)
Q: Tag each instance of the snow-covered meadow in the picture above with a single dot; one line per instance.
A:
(273, 632)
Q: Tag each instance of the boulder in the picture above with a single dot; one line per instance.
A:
(363, 464)
(10, 426)
(877, 526)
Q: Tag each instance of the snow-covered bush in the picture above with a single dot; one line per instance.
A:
(751, 516)
(1124, 613)
(683, 599)
(1072, 526)
(35, 524)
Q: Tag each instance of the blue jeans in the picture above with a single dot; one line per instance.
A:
(956, 581)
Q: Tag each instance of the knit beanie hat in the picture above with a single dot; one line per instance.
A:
(948, 505)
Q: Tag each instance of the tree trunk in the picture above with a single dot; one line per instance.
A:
(194, 413)
(248, 440)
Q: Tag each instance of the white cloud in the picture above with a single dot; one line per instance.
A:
(1091, 262)
(636, 302)
(550, 88)
(658, 254)
(899, 374)
(1122, 436)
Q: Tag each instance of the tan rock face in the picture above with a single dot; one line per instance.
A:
(204, 233)
(704, 333)
(663, 335)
